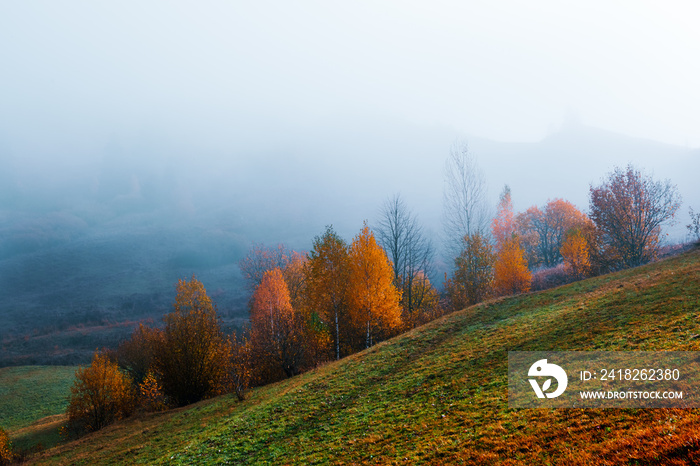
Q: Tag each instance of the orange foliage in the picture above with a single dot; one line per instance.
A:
(511, 274)
(575, 254)
(277, 332)
(373, 300)
(100, 395)
(6, 455)
(542, 232)
(151, 394)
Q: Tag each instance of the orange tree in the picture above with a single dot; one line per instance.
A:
(277, 331)
(100, 395)
(6, 455)
(193, 356)
(543, 231)
(511, 274)
(373, 300)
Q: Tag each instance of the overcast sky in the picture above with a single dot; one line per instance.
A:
(76, 72)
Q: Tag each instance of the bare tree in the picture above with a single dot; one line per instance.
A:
(465, 207)
(629, 208)
(694, 225)
(261, 259)
(410, 251)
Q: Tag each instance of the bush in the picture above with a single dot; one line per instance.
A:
(100, 396)
(545, 279)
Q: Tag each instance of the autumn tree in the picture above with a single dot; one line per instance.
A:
(410, 252)
(240, 367)
(136, 355)
(277, 331)
(192, 359)
(511, 274)
(472, 281)
(465, 207)
(542, 232)
(575, 252)
(373, 300)
(150, 394)
(427, 304)
(629, 208)
(6, 454)
(100, 395)
(327, 275)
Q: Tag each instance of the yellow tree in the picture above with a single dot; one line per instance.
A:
(576, 255)
(6, 455)
(373, 300)
(193, 356)
(277, 331)
(100, 395)
(472, 281)
(326, 272)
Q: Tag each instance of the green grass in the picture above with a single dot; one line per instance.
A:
(29, 393)
(438, 394)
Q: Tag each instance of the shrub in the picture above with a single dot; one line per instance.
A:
(100, 395)
(545, 279)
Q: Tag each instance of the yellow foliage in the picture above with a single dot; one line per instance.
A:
(6, 455)
(100, 395)
(373, 300)
(575, 254)
(151, 394)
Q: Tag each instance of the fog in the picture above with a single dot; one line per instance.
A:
(144, 142)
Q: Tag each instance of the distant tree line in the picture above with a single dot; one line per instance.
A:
(554, 244)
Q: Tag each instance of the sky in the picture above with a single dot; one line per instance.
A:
(328, 91)
(216, 71)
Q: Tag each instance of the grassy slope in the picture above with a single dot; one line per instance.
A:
(439, 393)
(29, 393)
(32, 402)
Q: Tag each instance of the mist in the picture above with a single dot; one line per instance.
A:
(143, 143)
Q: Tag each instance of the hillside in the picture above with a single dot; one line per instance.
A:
(438, 394)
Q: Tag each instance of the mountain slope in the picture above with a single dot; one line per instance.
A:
(438, 394)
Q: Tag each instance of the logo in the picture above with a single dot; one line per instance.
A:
(542, 369)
